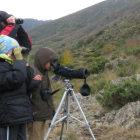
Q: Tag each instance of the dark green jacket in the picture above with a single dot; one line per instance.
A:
(43, 110)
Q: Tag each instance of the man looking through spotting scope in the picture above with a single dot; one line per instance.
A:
(43, 107)
(12, 27)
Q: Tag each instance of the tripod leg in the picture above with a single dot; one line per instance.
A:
(7, 132)
(54, 118)
(68, 109)
(87, 124)
(65, 111)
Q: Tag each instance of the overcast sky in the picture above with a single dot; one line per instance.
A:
(44, 9)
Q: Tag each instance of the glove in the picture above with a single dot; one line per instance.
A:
(17, 53)
(26, 57)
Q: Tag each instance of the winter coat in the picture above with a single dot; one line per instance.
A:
(43, 110)
(15, 106)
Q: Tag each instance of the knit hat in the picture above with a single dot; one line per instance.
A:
(4, 15)
(7, 43)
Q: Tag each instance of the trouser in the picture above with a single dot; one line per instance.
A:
(36, 130)
(16, 132)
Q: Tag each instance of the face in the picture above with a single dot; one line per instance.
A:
(48, 66)
(11, 54)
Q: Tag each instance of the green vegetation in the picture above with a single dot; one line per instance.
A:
(98, 64)
(127, 68)
(133, 51)
(117, 95)
(96, 37)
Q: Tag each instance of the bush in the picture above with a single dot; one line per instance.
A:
(127, 69)
(71, 65)
(80, 44)
(108, 49)
(134, 51)
(100, 33)
(120, 94)
(114, 56)
(89, 40)
(96, 53)
(109, 66)
(98, 64)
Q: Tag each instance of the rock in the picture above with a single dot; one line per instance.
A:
(138, 77)
(97, 113)
(127, 117)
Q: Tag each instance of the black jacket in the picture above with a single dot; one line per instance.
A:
(15, 106)
(17, 32)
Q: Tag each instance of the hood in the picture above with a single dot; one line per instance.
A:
(43, 56)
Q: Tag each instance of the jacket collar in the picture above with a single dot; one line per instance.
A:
(6, 58)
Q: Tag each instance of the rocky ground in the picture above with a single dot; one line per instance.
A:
(114, 125)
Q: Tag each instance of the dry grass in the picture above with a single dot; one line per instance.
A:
(96, 106)
(101, 132)
(117, 133)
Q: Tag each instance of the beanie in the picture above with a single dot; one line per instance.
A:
(4, 15)
(7, 43)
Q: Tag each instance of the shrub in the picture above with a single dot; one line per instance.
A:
(114, 56)
(71, 65)
(120, 94)
(89, 40)
(127, 69)
(80, 44)
(98, 64)
(101, 44)
(87, 55)
(109, 66)
(130, 43)
(66, 57)
(100, 33)
(90, 59)
(96, 53)
(108, 49)
(133, 51)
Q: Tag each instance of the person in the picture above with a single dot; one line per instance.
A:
(15, 80)
(43, 110)
(9, 27)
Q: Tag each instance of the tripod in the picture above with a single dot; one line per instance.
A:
(68, 92)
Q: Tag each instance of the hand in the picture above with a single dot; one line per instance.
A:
(11, 19)
(26, 57)
(17, 53)
(38, 77)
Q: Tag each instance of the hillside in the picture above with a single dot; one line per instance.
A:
(113, 17)
(105, 39)
(32, 23)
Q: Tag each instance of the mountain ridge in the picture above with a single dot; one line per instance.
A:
(82, 23)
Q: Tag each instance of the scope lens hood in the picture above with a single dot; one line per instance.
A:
(85, 90)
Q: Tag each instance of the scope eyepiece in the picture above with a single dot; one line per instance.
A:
(69, 73)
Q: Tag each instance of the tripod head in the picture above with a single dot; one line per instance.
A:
(67, 84)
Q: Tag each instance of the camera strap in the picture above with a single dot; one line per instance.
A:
(56, 90)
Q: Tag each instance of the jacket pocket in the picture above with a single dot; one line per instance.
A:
(19, 108)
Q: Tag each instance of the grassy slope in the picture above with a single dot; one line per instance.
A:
(119, 21)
